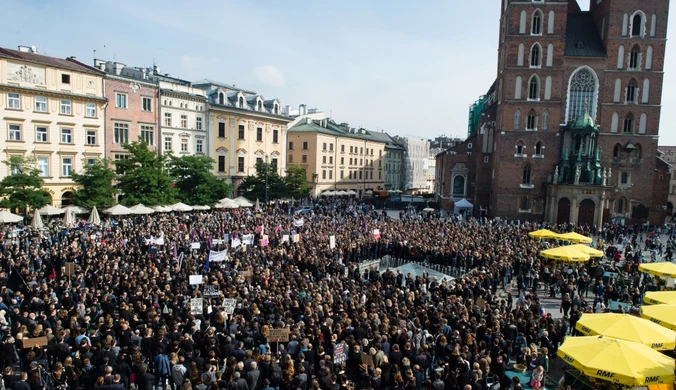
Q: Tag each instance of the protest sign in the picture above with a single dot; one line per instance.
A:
(229, 305)
(196, 306)
(278, 335)
(195, 279)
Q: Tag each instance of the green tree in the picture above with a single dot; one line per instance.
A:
(295, 182)
(143, 177)
(254, 186)
(96, 185)
(23, 187)
(195, 183)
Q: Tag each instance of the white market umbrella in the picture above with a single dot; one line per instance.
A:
(51, 210)
(369, 192)
(36, 223)
(7, 217)
(428, 209)
(224, 200)
(258, 204)
(341, 193)
(68, 219)
(351, 192)
(201, 207)
(118, 209)
(180, 207)
(94, 218)
(75, 209)
(162, 209)
(140, 209)
(227, 204)
(243, 202)
(329, 193)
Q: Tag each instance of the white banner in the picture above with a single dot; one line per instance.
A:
(332, 242)
(195, 279)
(196, 306)
(215, 256)
(236, 242)
(299, 222)
(195, 245)
(229, 305)
(248, 239)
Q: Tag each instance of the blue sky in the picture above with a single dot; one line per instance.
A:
(411, 68)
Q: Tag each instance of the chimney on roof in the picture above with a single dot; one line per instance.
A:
(118, 68)
(302, 109)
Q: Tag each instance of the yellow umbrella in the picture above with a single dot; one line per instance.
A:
(586, 249)
(665, 269)
(617, 361)
(564, 253)
(542, 234)
(574, 237)
(627, 327)
(664, 315)
(658, 297)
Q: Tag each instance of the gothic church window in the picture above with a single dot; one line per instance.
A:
(534, 88)
(536, 25)
(535, 55)
(631, 91)
(634, 57)
(581, 94)
(628, 123)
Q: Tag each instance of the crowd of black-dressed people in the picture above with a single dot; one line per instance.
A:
(113, 305)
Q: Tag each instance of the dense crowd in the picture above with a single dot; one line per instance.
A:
(114, 304)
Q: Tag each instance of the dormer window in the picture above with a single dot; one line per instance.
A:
(276, 109)
(221, 98)
(240, 102)
(260, 106)
(579, 45)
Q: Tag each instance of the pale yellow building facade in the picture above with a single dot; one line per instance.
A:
(54, 110)
(336, 157)
(244, 129)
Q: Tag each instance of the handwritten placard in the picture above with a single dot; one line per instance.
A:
(279, 335)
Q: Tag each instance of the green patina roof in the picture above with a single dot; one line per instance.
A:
(584, 120)
(333, 129)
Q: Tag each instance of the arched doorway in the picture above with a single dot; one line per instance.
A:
(563, 213)
(66, 199)
(585, 214)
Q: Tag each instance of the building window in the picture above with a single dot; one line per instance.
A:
(624, 178)
(198, 123)
(305, 145)
(323, 174)
(66, 166)
(290, 145)
(184, 145)
(66, 107)
(349, 175)
(240, 164)
(13, 101)
(91, 161)
(620, 206)
(526, 174)
(91, 137)
(14, 133)
(221, 163)
(167, 119)
(534, 88)
(637, 25)
(120, 133)
(520, 149)
(634, 57)
(303, 159)
(40, 104)
(458, 186)
(167, 144)
(289, 158)
(616, 151)
(545, 120)
(274, 162)
(65, 78)
(517, 119)
(146, 104)
(184, 121)
(631, 91)
(525, 203)
(330, 175)
(240, 105)
(221, 129)
(342, 174)
(628, 123)
(539, 149)
(342, 148)
(532, 122)
(90, 110)
(535, 56)
(120, 100)
(66, 136)
(40, 134)
(323, 159)
(148, 134)
(276, 109)
(221, 98)
(537, 23)
(199, 146)
(259, 134)
(275, 136)
(260, 106)
(360, 175)
(43, 166)
(241, 132)
(330, 159)
(581, 94)
(342, 161)
(324, 147)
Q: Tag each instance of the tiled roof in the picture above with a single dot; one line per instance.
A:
(582, 38)
(222, 85)
(386, 138)
(69, 63)
(332, 129)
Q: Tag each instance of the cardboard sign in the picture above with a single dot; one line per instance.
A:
(196, 306)
(376, 234)
(248, 239)
(339, 356)
(69, 269)
(195, 279)
(367, 359)
(35, 342)
(229, 305)
(195, 245)
(296, 238)
(332, 242)
(278, 335)
(210, 291)
(285, 238)
(265, 240)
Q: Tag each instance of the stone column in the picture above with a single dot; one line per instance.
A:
(599, 220)
(573, 210)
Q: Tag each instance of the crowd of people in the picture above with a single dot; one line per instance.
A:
(109, 307)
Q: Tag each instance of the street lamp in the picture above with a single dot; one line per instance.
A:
(266, 180)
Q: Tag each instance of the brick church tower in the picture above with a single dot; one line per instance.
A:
(568, 132)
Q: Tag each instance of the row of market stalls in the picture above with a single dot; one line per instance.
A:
(619, 350)
(70, 212)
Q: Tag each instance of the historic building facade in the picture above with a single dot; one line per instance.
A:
(568, 132)
(245, 129)
(336, 157)
(182, 117)
(132, 111)
(393, 161)
(51, 109)
(416, 160)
